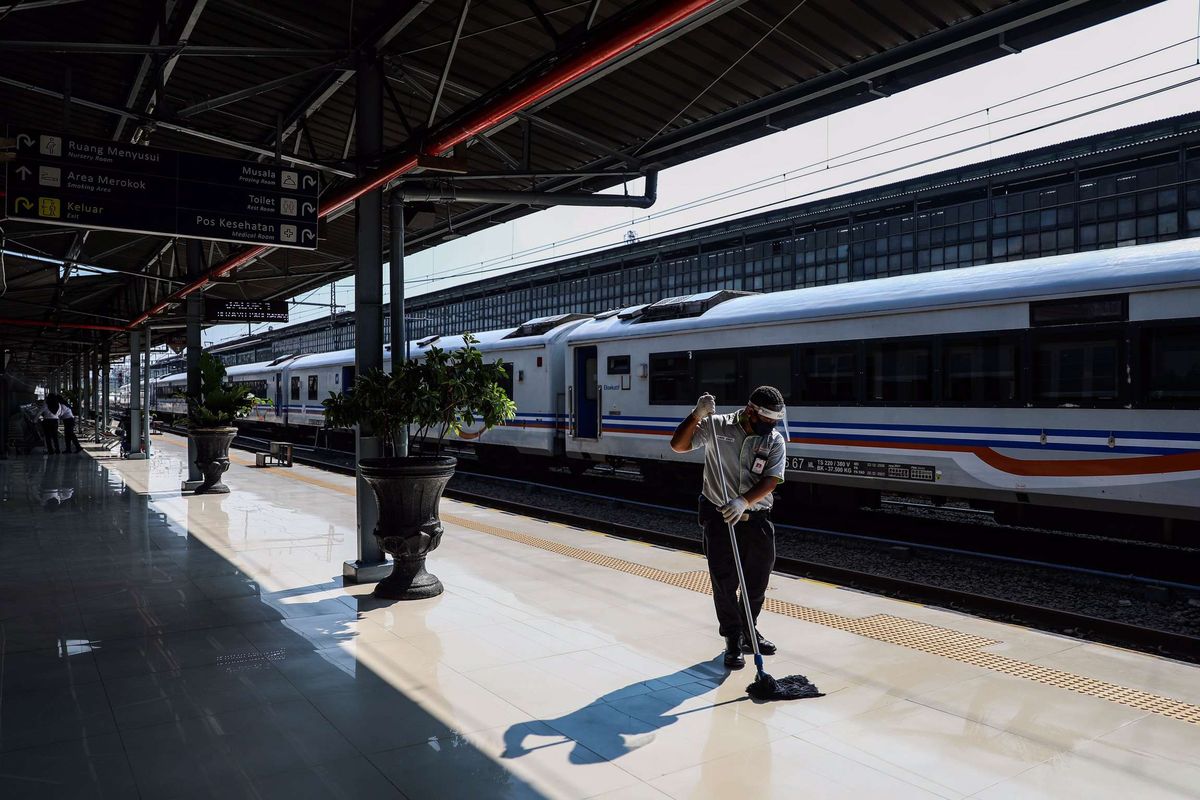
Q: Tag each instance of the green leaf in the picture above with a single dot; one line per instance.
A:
(217, 405)
(440, 394)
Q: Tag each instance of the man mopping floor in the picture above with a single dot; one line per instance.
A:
(745, 459)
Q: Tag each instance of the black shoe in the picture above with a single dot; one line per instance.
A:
(733, 653)
(765, 647)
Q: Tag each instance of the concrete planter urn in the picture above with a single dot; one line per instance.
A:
(408, 491)
(212, 456)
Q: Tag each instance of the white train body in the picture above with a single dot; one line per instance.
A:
(262, 379)
(534, 356)
(1074, 418)
(1069, 381)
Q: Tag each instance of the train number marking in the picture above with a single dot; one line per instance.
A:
(863, 469)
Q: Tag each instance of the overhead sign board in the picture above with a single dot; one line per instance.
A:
(245, 310)
(91, 183)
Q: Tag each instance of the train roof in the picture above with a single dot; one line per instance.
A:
(236, 369)
(1149, 266)
(330, 359)
(544, 330)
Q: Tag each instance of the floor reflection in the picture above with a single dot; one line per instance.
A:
(142, 658)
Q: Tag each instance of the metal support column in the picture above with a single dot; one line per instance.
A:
(94, 395)
(195, 314)
(3, 403)
(76, 383)
(146, 391)
(371, 564)
(135, 395)
(396, 300)
(105, 389)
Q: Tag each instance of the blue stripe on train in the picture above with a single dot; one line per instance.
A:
(1165, 435)
(992, 443)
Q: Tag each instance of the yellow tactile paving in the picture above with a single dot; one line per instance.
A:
(955, 645)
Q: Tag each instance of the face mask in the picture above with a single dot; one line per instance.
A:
(762, 427)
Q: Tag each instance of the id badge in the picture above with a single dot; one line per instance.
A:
(759, 465)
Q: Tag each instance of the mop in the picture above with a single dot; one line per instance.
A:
(791, 687)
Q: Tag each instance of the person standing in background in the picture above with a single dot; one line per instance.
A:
(68, 421)
(49, 418)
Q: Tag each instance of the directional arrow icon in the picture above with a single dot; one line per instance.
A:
(24, 140)
(309, 180)
(24, 204)
(308, 207)
(308, 235)
(24, 172)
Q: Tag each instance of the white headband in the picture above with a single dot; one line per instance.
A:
(766, 412)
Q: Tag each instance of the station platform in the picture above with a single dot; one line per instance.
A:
(157, 645)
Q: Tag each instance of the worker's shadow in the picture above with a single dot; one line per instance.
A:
(624, 719)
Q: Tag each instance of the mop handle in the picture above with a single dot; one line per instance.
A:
(737, 558)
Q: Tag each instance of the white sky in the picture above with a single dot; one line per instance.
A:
(974, 109)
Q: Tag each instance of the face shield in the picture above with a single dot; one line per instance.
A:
(763, 420)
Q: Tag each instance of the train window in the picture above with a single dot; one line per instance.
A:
(312, 387)
(1171, 360)
(717, 374)
(671, 379)
(618, 365)
(1079, 310)
(770, 368)
(980, 373)
(295, 388)
(1070, 370)
(899, 372)
(506, 383)
(829, 374)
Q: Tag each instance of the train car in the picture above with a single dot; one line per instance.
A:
(1070, 381)
(304, 381)
(167, 396)
(262, 379)
(533, 355)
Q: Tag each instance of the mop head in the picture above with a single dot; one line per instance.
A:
(791, 687)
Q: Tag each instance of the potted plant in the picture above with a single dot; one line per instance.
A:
(210, 421)
(439, 395)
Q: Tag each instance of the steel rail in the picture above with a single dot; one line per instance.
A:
(1044, 618)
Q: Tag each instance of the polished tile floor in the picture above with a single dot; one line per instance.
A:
(156, 645)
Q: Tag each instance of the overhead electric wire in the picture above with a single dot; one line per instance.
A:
(771, 181)
(499, 264)
(721, 77)
(735, 191)
(844, 184)
(762, 183)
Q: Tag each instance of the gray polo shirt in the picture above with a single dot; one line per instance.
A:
(736, 451)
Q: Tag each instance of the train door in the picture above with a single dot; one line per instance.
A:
(347, 379)
(587, 407)
(279, 393)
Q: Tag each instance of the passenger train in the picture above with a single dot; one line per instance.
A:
(1068, 382)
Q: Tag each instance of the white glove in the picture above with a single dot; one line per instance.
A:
(707, 404)
(733, 510)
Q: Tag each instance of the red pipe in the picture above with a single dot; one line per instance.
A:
(37, 323)
(667, 15)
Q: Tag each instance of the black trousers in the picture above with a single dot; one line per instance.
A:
(756, 546)
(69, 436)
(50, 431)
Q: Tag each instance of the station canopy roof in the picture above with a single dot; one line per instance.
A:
(540, 95)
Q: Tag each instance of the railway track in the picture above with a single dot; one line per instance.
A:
(1026, 614)
(1023, 613)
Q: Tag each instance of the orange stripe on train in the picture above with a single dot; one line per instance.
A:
(1053, 468)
